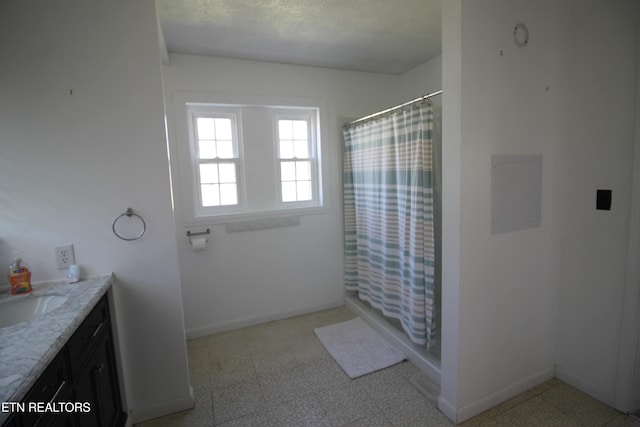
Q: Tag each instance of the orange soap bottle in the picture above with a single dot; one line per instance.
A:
(19, 278)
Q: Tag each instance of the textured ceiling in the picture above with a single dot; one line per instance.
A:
(386, 36)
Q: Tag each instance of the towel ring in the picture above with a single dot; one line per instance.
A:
(129, 213)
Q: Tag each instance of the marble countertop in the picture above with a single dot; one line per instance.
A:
(27, 348)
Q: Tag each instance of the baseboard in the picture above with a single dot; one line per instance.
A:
(447, 409)
(255, 320)
(164, 408)
(586, 387)
(506, 393)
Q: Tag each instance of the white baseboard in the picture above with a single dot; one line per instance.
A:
(448, 409)
(495, 398)
(255, 320)
(586, 387)
(161, 409)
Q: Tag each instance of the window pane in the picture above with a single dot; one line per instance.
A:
(225, 149)
(304, 190)
(288, 191)
(303, 171)
(223, 129)
(228, 194)
(218, 159)
(286, 150)
(208, 174)
(300, 129)
(206, 149)
(205, 128)
(301, 149)
(210, 195)
(227, 172)
(284, 129)
(287, 171)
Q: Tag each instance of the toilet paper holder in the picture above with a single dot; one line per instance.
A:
(200, 233)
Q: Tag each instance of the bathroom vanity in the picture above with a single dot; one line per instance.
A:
(59, 368)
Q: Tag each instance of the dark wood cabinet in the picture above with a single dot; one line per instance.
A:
(13, 421)
(94, 370)
(51, 389)
(98, 385)
(84, 374)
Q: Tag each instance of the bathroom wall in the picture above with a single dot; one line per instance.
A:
(599, 55)
(507, 300)
(82, 138)
(523, 306)
(450, 384)
(424, 79)
(499, 290)
(254, 276)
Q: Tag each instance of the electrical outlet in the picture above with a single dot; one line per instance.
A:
(64, 257)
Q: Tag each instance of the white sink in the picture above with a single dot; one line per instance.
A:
(22, 308)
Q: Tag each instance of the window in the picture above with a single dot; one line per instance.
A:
(217, 159)
(248, 160)
(296, 159)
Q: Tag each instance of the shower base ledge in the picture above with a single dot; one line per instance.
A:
(420, 357)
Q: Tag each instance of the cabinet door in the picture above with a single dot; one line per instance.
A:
(12, 421)
(98, 385)
(83, 389)
(62, 420)
(52, 387)
(82, 343)
(107, 385)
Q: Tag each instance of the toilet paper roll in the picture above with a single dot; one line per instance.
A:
(199, 243)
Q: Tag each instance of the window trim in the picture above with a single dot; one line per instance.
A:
(195, 110)
(181, 155)
(310, 115)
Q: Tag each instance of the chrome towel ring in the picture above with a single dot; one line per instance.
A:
(129, 213)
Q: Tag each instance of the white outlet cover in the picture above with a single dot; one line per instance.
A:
(64, 257)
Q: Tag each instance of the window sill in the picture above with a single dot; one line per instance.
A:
(255, 215)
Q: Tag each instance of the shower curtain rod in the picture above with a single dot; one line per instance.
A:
(421, 98)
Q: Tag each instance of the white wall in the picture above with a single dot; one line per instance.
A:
(507, 299)
(499, 294)
(628, 386)
(596, 152)
(249, 277)
(448, 401)
(517, 304)
(82, 139)
(424, 79)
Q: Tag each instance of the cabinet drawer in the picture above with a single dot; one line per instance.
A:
(87, 336)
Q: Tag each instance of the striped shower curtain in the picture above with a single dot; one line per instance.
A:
(389, 218)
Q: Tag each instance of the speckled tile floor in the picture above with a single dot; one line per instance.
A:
(278, 374)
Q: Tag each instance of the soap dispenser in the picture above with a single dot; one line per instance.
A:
(19, 278)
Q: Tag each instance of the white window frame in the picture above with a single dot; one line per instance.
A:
(183, 154)
(235, 114)
(310, 115)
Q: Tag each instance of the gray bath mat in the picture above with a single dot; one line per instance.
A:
(357, 348)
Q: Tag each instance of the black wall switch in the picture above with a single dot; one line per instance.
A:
(603, 200)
